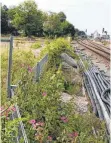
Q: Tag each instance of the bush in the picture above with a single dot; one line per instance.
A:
(36, 46)
(21, 62)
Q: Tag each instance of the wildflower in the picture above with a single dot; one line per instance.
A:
(74, 134)
(49, 138)
(1, 108)
(32, 121)
(44, 93)
(29, 69)
(64, 119)
(12, 108)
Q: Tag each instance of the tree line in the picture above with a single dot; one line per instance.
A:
(27, 20)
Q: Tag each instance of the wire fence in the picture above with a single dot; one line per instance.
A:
(38, 69)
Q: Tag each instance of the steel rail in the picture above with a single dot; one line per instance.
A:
(96, 44)
(95, 47)
(98, 47)
(101, 53)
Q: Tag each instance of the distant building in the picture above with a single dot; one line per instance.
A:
(105, 37)
(96, 35)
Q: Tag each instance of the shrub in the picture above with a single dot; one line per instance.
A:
(36, 46)
(20, 64)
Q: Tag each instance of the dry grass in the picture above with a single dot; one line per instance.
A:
(19, 44)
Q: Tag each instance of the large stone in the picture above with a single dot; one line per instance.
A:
(69, 60)
(76, 80)
(66, 66)
(65, 97)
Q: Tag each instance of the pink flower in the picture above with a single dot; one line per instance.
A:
(49, 138)
(1, 108)
(44, 93)
(74, 134)
(32, 121)
(64, 119)
(11, 109)
(29, 69)
(40, 124)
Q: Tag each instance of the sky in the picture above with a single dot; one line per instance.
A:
(83, 14)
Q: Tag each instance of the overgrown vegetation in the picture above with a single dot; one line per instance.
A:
(36, 45)
(47, 117)
(27, 20)
(23, 61)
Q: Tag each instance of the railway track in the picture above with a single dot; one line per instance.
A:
(106, 50)
(98, 45)
(98, 50)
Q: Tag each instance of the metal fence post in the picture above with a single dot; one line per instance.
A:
(9, 68)
(37, 71)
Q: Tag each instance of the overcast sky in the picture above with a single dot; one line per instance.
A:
(83, 14)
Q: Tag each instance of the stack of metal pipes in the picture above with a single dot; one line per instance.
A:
(98, 88)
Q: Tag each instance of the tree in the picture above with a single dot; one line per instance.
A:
(62, 16)
(56, 24)
(76, 31)
(67, 28)
(52, 25)
(81, 33)
(4, 20)
(27, 18)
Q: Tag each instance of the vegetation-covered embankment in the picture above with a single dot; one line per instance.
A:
(46, 117)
